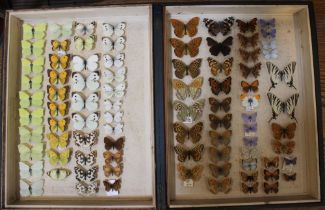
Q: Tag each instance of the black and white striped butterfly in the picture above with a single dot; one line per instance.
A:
(85, 159)
(87, 189)
(279, 106)
(284, 75)
(84, 140)
(86, 175)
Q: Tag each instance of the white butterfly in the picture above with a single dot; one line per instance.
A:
(117, 45)
(118, 61)
(78, 82)
(84, 140)
(269, 44)
(92, 102)
(86, 159)
(92, 81)
(108, 105)
(113, 130)
(86, 175)
(77, 102)
(28, 188)
(118, 76)
(109, 30)
(109, 117)
(270, 54)
(82, 29)
(79, 64)
(117, 91)
(87, 189)
(281, 75)
(250, 102)
(79, 122)
(27, 170)
(63, 30)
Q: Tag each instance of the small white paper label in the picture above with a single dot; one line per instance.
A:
(188, 120)
(112, 193)
(188, 183)
(249, 109)
(250, 134)
(61, 53)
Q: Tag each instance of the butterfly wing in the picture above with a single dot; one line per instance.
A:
(92, 121)
(78, 63)
(193, 46)
(179, 47)
(179, 27)
(92, 62)
(191, 26)
(194, 88)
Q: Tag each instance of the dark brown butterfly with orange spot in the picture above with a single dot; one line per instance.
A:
(223, 47)
(285, 132)
(224, 185)
(254, 70)
(116, 186)
(271, 188)
(181, 48)
(217, 170)
(283, 147)
(271, 163)
(220, 105)
(110, 143)
(290, 177)
(271, 175)
(219, 155)
(216, 122)
(192, 173)
(217, 67)
(249, 177)
(217, 87)
(110, 170)
(250, 87)
(182, 70)
(181, 29)
(183, 132)
(218, 138)
(247, 55)
(252, 188)
(183, 154)
(215, 27)
(249, 26)
(246, 41)
(110, 157)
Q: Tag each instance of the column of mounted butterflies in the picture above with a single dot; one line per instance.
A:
(268, 32)
(85, 108)
(271, 174)
(114, 87)
(189, 108)
(250, 70)
(220, 83)
(31, 111)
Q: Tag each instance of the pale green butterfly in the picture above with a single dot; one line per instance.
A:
(31, 82)
(28, 188)
(58, 174)
(29, 66)
(84, 43)
(189, 113)
(32, 48)
(34, 99)
(37, 31)
(27, 117)
(28, 170)
(31, 135)
(57, 30)
(30, 152)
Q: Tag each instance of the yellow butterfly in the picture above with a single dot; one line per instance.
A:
(55, 109)
(56, 77)
(57, 61)
(63, 45)
(56, 157)
(58, 141)
(55, 94)
(56, 125)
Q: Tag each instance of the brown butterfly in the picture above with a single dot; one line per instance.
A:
(252, 188)
(110, 170)
(217, 171)
(247, 87)
(283, 148)
(254, 70)
(271, 188)
(246, 55)
(220, 105)
(219, 155)
(183, 132)
(110, 157)
(193, 173)
(271, 176)
(289, 177)
(249, 26)
(217, 67)
(246, 41)
(110, 143)
(223, 47)
(271, 163)
(215, 27)
(216, 122)
(181, 48)
(285, 132)
(182, 70)
(223, 185)
(249, 177)
(220, 138)
(217, 87)
(116, 186)
(183, 154)
(181, 29)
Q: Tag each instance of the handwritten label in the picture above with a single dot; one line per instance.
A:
(250, 134)
(188, 183)
(112, 193)
(249, 109)
(188, 120)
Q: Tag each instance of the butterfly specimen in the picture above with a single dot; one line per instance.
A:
(182, 70)
(87, 189)
(86, 160)
(190, 173)
(249, 118)
(218, 138)
(110, 170)
(289, 160)
(189, 113)
(216, 122)
(34, 117)
(58, 125)
(28, 135)
(110, 30)
(64, 30)
(82, 29)
(114, 106)
(220, 105)
(113, 129)
(112, 185)
(79, 63)
(283, 147)
(90, 122)
(271, 188)
(118, 75)
(79, 83)
(60, 45)
(58, 140)
(249, 153)
(250, 102)
(87, 43)
(181, 29)
(30, 48)
(285, 75)
(250, 128)
(56, 77)
(268, 33)
(195, 153)
(110, 157)
(251, 188)
(84, 140)
(191, 48)
(117, 61)
(250, 141)
(224, 185)
(58, 174)
(57, 61)
(254, 70)
(249, 164)
(271, 163)
(36, 31)
(217, 155)
(279, 106)
(267, 23)
(36, 66)
(250, 87)
(249, 26)
(29, 188)
(217, 87)
(117, 45)
(217, 170)
(248, 41)
(28, 170)
(78, 103)
(249, 177)
(110, 143)
(271, 175)
(250, 55)
(220, 47)
(31, 82)
(290, 177)
(27, 100)
(183, 132)
(56, 109)
(117, 91)
(192, 90)
(58, 158)
(116, 117)
(283, 132)
(215, 27)
(269, 49)
(217, 67)
(86, 175)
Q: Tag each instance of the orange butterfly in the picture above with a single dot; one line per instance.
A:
(283, 148)
(113, 170)
(110, 157)
(193, 173)
(285, 132)
(247, 87)
(223, 185)
(190, 28)
(181, 48)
